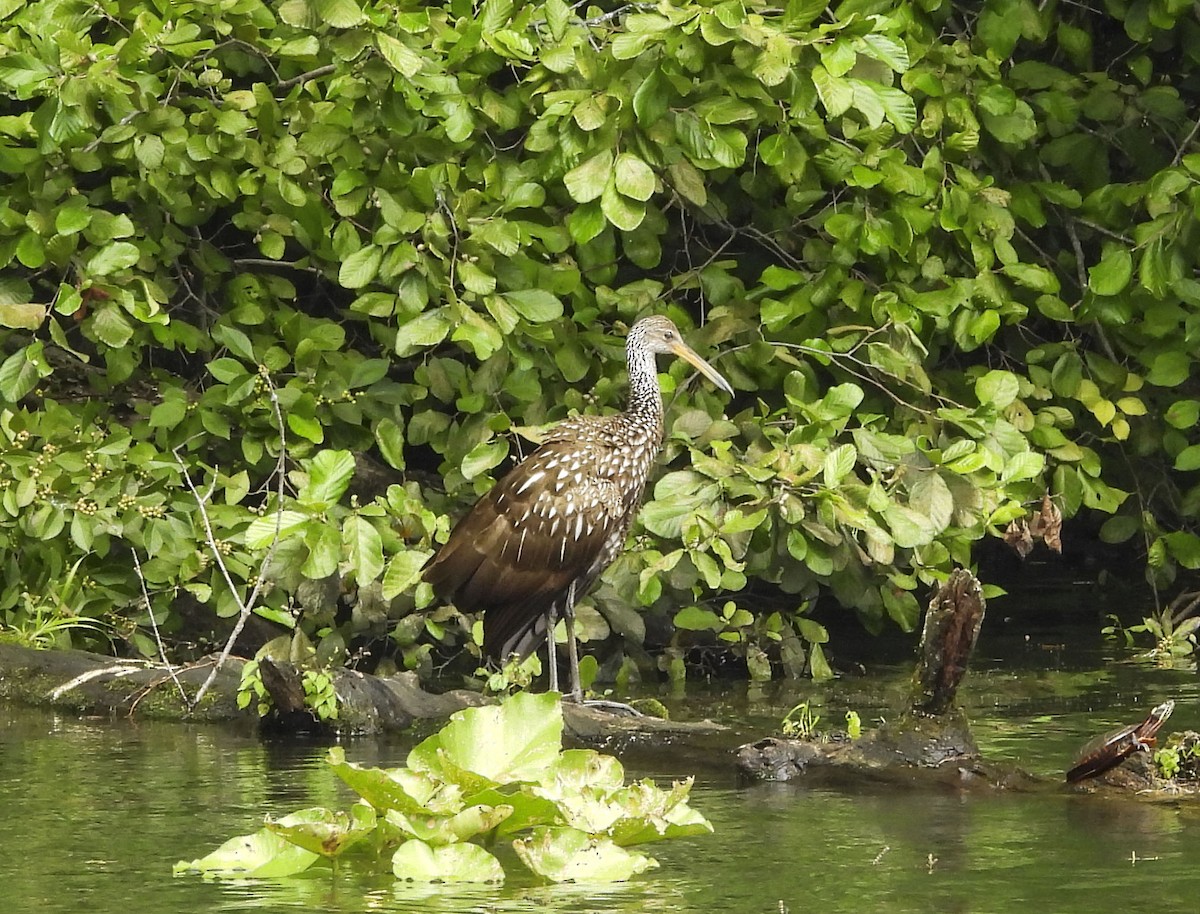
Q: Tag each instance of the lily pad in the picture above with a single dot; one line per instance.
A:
(441, 830)
(570, 855)
(483, 747)
(263, 854)
(527, 810)
(325, 831)
(397, 788)
(418, 862)
(575, 769)
(654, 814)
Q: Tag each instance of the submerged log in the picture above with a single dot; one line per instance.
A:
(931, 734)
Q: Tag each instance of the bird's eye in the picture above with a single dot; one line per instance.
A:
(668, 335)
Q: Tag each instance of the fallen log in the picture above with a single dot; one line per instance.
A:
(91, 684)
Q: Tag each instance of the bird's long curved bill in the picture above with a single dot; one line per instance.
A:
(684, 351)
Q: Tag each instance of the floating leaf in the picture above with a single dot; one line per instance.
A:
(515, 741)
(416, 861)
(262, 855)
(569, 855)
(325, 831)
(442, 830)
(396, 788)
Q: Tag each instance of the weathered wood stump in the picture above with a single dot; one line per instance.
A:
(931, 734)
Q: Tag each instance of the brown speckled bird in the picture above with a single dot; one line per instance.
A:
(539, 539)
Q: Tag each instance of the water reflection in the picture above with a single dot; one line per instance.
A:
(96, 812)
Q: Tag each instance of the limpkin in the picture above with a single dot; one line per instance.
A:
(539, 539)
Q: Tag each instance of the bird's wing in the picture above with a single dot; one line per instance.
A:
(522, 545)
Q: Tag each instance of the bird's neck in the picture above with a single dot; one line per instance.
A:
(645, 398)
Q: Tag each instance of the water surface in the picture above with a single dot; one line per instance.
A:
(97, 811)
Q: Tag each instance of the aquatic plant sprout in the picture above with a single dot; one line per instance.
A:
(496, 773)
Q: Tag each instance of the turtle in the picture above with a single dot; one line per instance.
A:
(1108, 751)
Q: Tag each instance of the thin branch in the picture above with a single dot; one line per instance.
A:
(247, 606)
(305, 77)
(162, 650)
(1187, 141)
(267, 262)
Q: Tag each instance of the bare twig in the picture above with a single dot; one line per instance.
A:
(1187, 141)
(305, 77)
(245, 606)
(267, 262)
(162, 651)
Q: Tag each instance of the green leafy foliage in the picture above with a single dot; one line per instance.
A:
(946, 259)
(570, 815)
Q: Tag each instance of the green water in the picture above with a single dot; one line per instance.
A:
(95, 812)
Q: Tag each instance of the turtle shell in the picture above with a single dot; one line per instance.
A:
(1108, 751)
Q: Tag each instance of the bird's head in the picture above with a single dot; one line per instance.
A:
(659, 336)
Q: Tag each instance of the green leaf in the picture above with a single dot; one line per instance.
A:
(365, 548)
(21, 371)
(908, 528)
(1170, 368)
(535, 305)
(329, 475)
(450, 829)
(118, 255)
(324, 551)
(688, 180)
(1119, 528)
(403, 571)
(306, 427)
(623, 212)
(483, 457)
(586, 222)
(586, 182)
(170, 412)
(424, 330)
(1025, 465)
(396, 788)
(1188, 459)
(697, 619)
(262, 530)
(634, 178)
(399, 56)
(340, 14)
(570, 855)
(997, 388)
(836, 94)
(389, 436)
(262, 855)
(838, 463)
(359, 268)
(325, 831)
(1112, 274)
(650, 99)
(22, 315)
(1183, 413)
(416, 861)
(489, 746)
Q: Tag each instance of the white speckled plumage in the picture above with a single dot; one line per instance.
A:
(548, 529)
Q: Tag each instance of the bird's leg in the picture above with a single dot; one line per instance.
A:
(572, 647)
(551, 647)
(573, 655)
